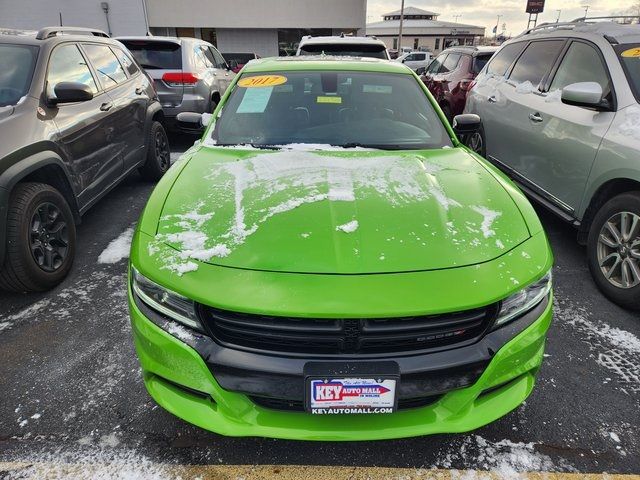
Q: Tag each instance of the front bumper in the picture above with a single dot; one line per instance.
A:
(182, 382)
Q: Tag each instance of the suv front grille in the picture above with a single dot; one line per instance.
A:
(325, 336)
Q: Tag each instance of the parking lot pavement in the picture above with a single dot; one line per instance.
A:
(71, 392)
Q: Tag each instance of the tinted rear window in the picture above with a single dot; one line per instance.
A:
(629, 55)
(348, 50)
(18, 62)
(479, 61)
(239, 57)
(156, 55)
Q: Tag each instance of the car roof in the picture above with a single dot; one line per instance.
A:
(472, 50)
(612, 31)
(53, 35)
(340, 39)
(317, 62)
(153, 38)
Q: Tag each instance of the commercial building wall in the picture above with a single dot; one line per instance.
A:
(258, 14)
(126, 17)
(264, 42)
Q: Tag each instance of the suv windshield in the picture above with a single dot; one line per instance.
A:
(18, 62)
(629, 55)
(347, 109)
(154, 55)
(345, 49)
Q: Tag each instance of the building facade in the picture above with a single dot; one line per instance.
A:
(267, 28)
(421, 30)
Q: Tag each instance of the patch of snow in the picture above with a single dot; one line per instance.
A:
(499, 244)
(554, 97)
(118, 249)
(179, 331)
(305, 235)
(525, 87)
(348, 227)
(488, 217)
(503, 459)
(36, 416)
(614, 436)
(630, 121)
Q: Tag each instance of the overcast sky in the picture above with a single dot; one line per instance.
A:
(485, 12)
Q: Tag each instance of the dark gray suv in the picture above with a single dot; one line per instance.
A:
(77, 114)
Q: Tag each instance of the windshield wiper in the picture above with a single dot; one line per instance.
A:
(253, 145)
(380, 146)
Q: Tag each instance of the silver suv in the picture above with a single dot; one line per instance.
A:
(560, 115)
(190, 75)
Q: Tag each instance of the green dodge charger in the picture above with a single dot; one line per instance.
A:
(329, 262)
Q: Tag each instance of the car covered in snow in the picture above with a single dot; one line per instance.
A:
(560, 115)
(330, 262)
(344, 45)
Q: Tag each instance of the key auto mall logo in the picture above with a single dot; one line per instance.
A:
(336, 391)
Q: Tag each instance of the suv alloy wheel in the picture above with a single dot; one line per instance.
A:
(614, 249)
(41, 237)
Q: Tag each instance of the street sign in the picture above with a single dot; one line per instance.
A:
(535, 6)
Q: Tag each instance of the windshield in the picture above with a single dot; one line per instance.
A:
(345, 49)
(155, 55)
(347, 109)
(480, 60)
(629, 55)
(18, 62)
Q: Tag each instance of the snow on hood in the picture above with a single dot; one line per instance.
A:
(270, 184)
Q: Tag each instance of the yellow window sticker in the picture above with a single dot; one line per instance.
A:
(262, 81)
(632, 53)
(329, 100)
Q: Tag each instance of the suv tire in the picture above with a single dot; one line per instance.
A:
(613, 249)
(476, 142)
(158, 154)
(41, 239)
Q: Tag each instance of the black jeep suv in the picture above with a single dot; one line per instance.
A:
(77, 114)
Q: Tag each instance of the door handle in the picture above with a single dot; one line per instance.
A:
(535, 117)
(105, 107)
(139, 90)
(492, 99)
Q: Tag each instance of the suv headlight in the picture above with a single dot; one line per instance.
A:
(166, 302)
(524, 300)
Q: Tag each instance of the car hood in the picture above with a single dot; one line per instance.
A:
(343, 212)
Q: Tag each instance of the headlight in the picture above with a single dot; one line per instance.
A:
(524, 300)
(164, 301)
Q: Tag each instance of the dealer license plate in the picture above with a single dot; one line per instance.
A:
(339, 396)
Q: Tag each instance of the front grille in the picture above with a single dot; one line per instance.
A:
(298, 405)
(323, 336)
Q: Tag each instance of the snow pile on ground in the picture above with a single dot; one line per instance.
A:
(614, 349)
(349, 227)
(118, 249)
(503, 459)
(94, 462)
(273, 183)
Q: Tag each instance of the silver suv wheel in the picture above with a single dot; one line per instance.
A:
(619, 250)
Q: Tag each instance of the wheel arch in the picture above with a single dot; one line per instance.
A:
(605, 192)
(42, 167)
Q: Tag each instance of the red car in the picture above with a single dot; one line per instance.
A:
(451, 75)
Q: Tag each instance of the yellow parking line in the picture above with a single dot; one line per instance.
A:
(47, 470)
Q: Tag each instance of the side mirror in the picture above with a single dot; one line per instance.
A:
(68, 92)
(421, 70)
(584, 94)
(466, 123)
(190, 122)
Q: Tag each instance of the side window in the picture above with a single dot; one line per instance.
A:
(207, 56)
(581, 64)
(68, 65)
(220, 62)
(421, 56)
(434, 67)
(503, 59)
(109, 70)
(451, 63)
(536, 61)
(410, 58)
(125, 60)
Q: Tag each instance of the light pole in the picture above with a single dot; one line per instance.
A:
(400, 30)
(495, 32)
(457, 17)
(558, 19)
(586, 11)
